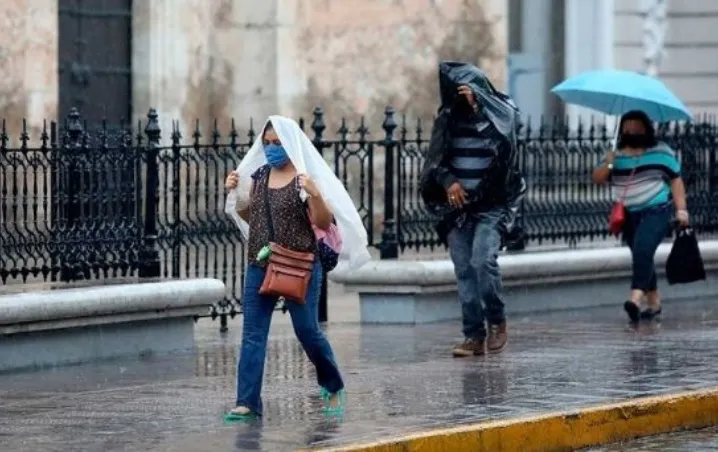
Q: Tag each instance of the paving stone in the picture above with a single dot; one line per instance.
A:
(399, 379)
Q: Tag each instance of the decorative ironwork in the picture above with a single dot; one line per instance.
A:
(67, 207)
(94, 205)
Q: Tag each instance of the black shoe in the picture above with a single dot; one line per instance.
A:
(633, 311)
(650, 314)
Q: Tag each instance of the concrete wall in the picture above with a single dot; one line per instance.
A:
(370, 52)
(422, 291)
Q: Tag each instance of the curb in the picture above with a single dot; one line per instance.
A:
(563, 431)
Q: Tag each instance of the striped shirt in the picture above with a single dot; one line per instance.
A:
(474, 146)
(650, 184)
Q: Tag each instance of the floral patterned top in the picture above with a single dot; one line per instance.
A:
(292, 229)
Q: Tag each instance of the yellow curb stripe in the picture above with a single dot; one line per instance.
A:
(563, 431)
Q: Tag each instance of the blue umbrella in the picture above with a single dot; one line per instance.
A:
(615, 92)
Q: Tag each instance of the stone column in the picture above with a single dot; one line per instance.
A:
(589, 42)
(205, 59)
(497, 11)
(159, 60)
(28, 89)
(290, 72)
(28, 63)
(253, 45)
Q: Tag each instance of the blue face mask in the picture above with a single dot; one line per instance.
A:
(276, 155)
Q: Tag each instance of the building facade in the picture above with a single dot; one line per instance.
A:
(220, 58)
(550, 40)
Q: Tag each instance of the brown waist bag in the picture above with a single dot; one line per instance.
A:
(288, 272)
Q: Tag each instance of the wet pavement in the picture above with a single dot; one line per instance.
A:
(691, 441)
(399, 380)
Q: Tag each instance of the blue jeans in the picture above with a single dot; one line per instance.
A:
(257, 313)
(474, 248)
(644, 231)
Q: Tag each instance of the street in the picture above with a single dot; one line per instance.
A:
(399, 380)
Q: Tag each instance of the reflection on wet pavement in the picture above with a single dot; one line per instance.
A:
(399, 379)
(693, 441)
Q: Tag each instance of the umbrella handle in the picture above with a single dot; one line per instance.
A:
(615, 134)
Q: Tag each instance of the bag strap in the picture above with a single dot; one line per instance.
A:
(267, 210)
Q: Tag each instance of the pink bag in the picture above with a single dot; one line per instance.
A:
(329, 244)
(331, 238)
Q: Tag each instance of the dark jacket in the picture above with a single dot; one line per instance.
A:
(504, 186)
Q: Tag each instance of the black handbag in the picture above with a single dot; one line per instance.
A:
(685, 264)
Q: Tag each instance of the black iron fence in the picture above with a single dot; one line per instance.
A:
(94, 202)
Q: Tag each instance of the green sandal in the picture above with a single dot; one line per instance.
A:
(327, 398)
(239, 414)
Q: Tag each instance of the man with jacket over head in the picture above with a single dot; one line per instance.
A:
(471, 181)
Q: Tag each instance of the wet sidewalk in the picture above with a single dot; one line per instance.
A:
(693, 441)
(399, 379)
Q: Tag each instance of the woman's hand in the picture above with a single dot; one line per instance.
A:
(232, 181)
(601, 174)
(610, 157)
(683, 218)
(678, 192)
(308, 185)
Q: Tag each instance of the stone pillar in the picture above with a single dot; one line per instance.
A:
(589, 44)
(160, 60)
(290, 73)
(205, 59)
(498, 12)
(28, 89)
(256, 53)
(28, 63)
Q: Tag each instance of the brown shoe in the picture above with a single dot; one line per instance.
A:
(497, 338)
(469, 347)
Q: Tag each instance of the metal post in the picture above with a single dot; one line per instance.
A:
(72, 157)
(149, 256)
(223, 317)
(389, 246)
(55, 207)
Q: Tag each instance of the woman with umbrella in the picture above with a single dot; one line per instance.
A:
(644, 173)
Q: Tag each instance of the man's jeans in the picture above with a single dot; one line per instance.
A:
(474, 249)
(644, 231)
(257, 313)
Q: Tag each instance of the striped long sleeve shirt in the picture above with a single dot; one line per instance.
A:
(474, 146)
(649, 185)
